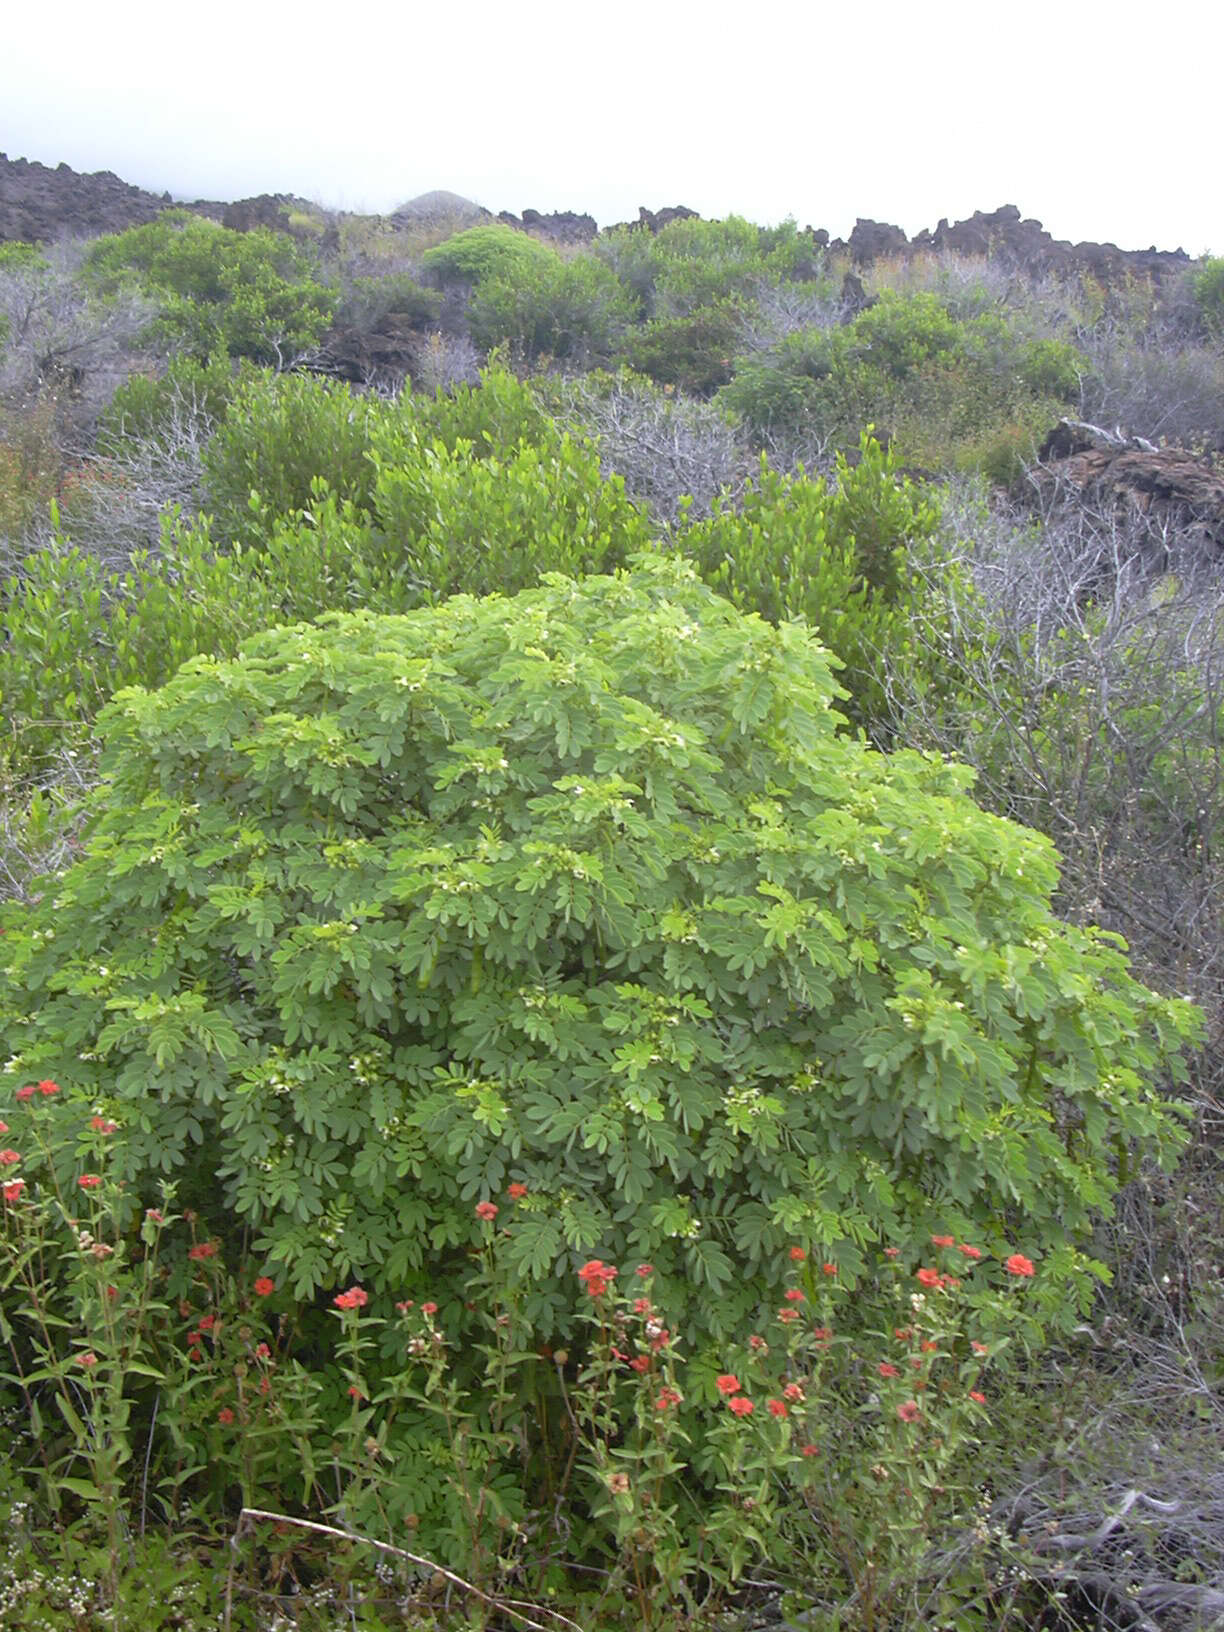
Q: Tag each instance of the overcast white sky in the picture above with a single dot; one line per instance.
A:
(1103, 121)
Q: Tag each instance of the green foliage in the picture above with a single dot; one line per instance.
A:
(940, 386)
(250, 294)
(146, 405)
(17, 256)
(366, 302)
(481, 253)
(841, 559)
(417, 511)
(279, 435)
(693, 352)
(571, 311)
(580, 888)
(30, 466)
(1208, 289)
(694, 263)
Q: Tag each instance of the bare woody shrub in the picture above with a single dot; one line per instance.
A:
(667, 449)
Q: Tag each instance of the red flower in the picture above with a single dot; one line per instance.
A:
(885, 1370)
(13, 1189)
(25, 1093)
(829, 1269)
(908, 1411)
(811, 1450)
(487, 1210)
(970, 1252)
(195, 1354)
(100, 1124)
(822, 1334)
(516, 1192)
(225, 1416)
(892, 1252)
(776, 1408)
(4, 1127)
(1018, 1264)
(9, 1157)
(89, 1359)
(262, 1351)
(758, 1344)
(928, 1347)
(206, 1249)
(355, 1393)
(742, 1405)
(975, 1394)
(355, 1298)
(928, 1277)
(798, 1254)
(792, 1392)
(794, 1295)
(47, 1087)
(667, 1397)
(903, 1332)
(943, 1240)
(207, 1322)
(644, 1270)
(264, 1286)
(659, 1339)
(978, 1348)
(154, 1215)
(642, 1306)
(404, 1306)
(788, 1315)
(429, 1308)
(728, 1383)
(89, 1181)
(640, 1364)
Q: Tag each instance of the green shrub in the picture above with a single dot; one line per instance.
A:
(1208, 288)
(145, 404)
(579, 888)
(790, 547)
(481, 253)
(252, 294)
(279, 434)
(571, 311)
(693, 352)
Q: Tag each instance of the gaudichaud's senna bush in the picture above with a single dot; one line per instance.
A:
(579, 889)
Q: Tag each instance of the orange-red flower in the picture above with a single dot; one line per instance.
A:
(102, 1124)
(885, 1370)
(355, 1298)
(741, 1405)
(728, 1383)
(27, 1092)
(205, 1249)
(943, 1240)
(666, 1397)
(976, 1394)
(89, 1181)
(793, 1295)
(810, 1450)
(13, 1189)
(516, 1192)
(9, 1158)
(798, 1254)
(970, 1252)
(225, 1416)
(928, 1277)
(264, 1286)
(777, 1408)
(909, 1411)
(47, 1087)
(486, 1210)
(1018, 1264)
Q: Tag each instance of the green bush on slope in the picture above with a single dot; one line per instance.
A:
(582, 889)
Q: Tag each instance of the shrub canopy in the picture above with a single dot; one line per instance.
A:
(578, 889)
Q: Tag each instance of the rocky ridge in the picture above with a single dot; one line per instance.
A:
(43, 204)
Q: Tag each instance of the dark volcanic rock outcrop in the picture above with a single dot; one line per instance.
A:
(1016, 242)
(42, 205)
(1164, 488)
(561, 226)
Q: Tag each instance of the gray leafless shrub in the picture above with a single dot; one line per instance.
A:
(785, 308)
(441, 361)
(1154, 386)
(40, 823)
(61, 336)
(664, 448)
(1087, 673)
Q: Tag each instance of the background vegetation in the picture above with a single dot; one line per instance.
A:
(523, 765)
